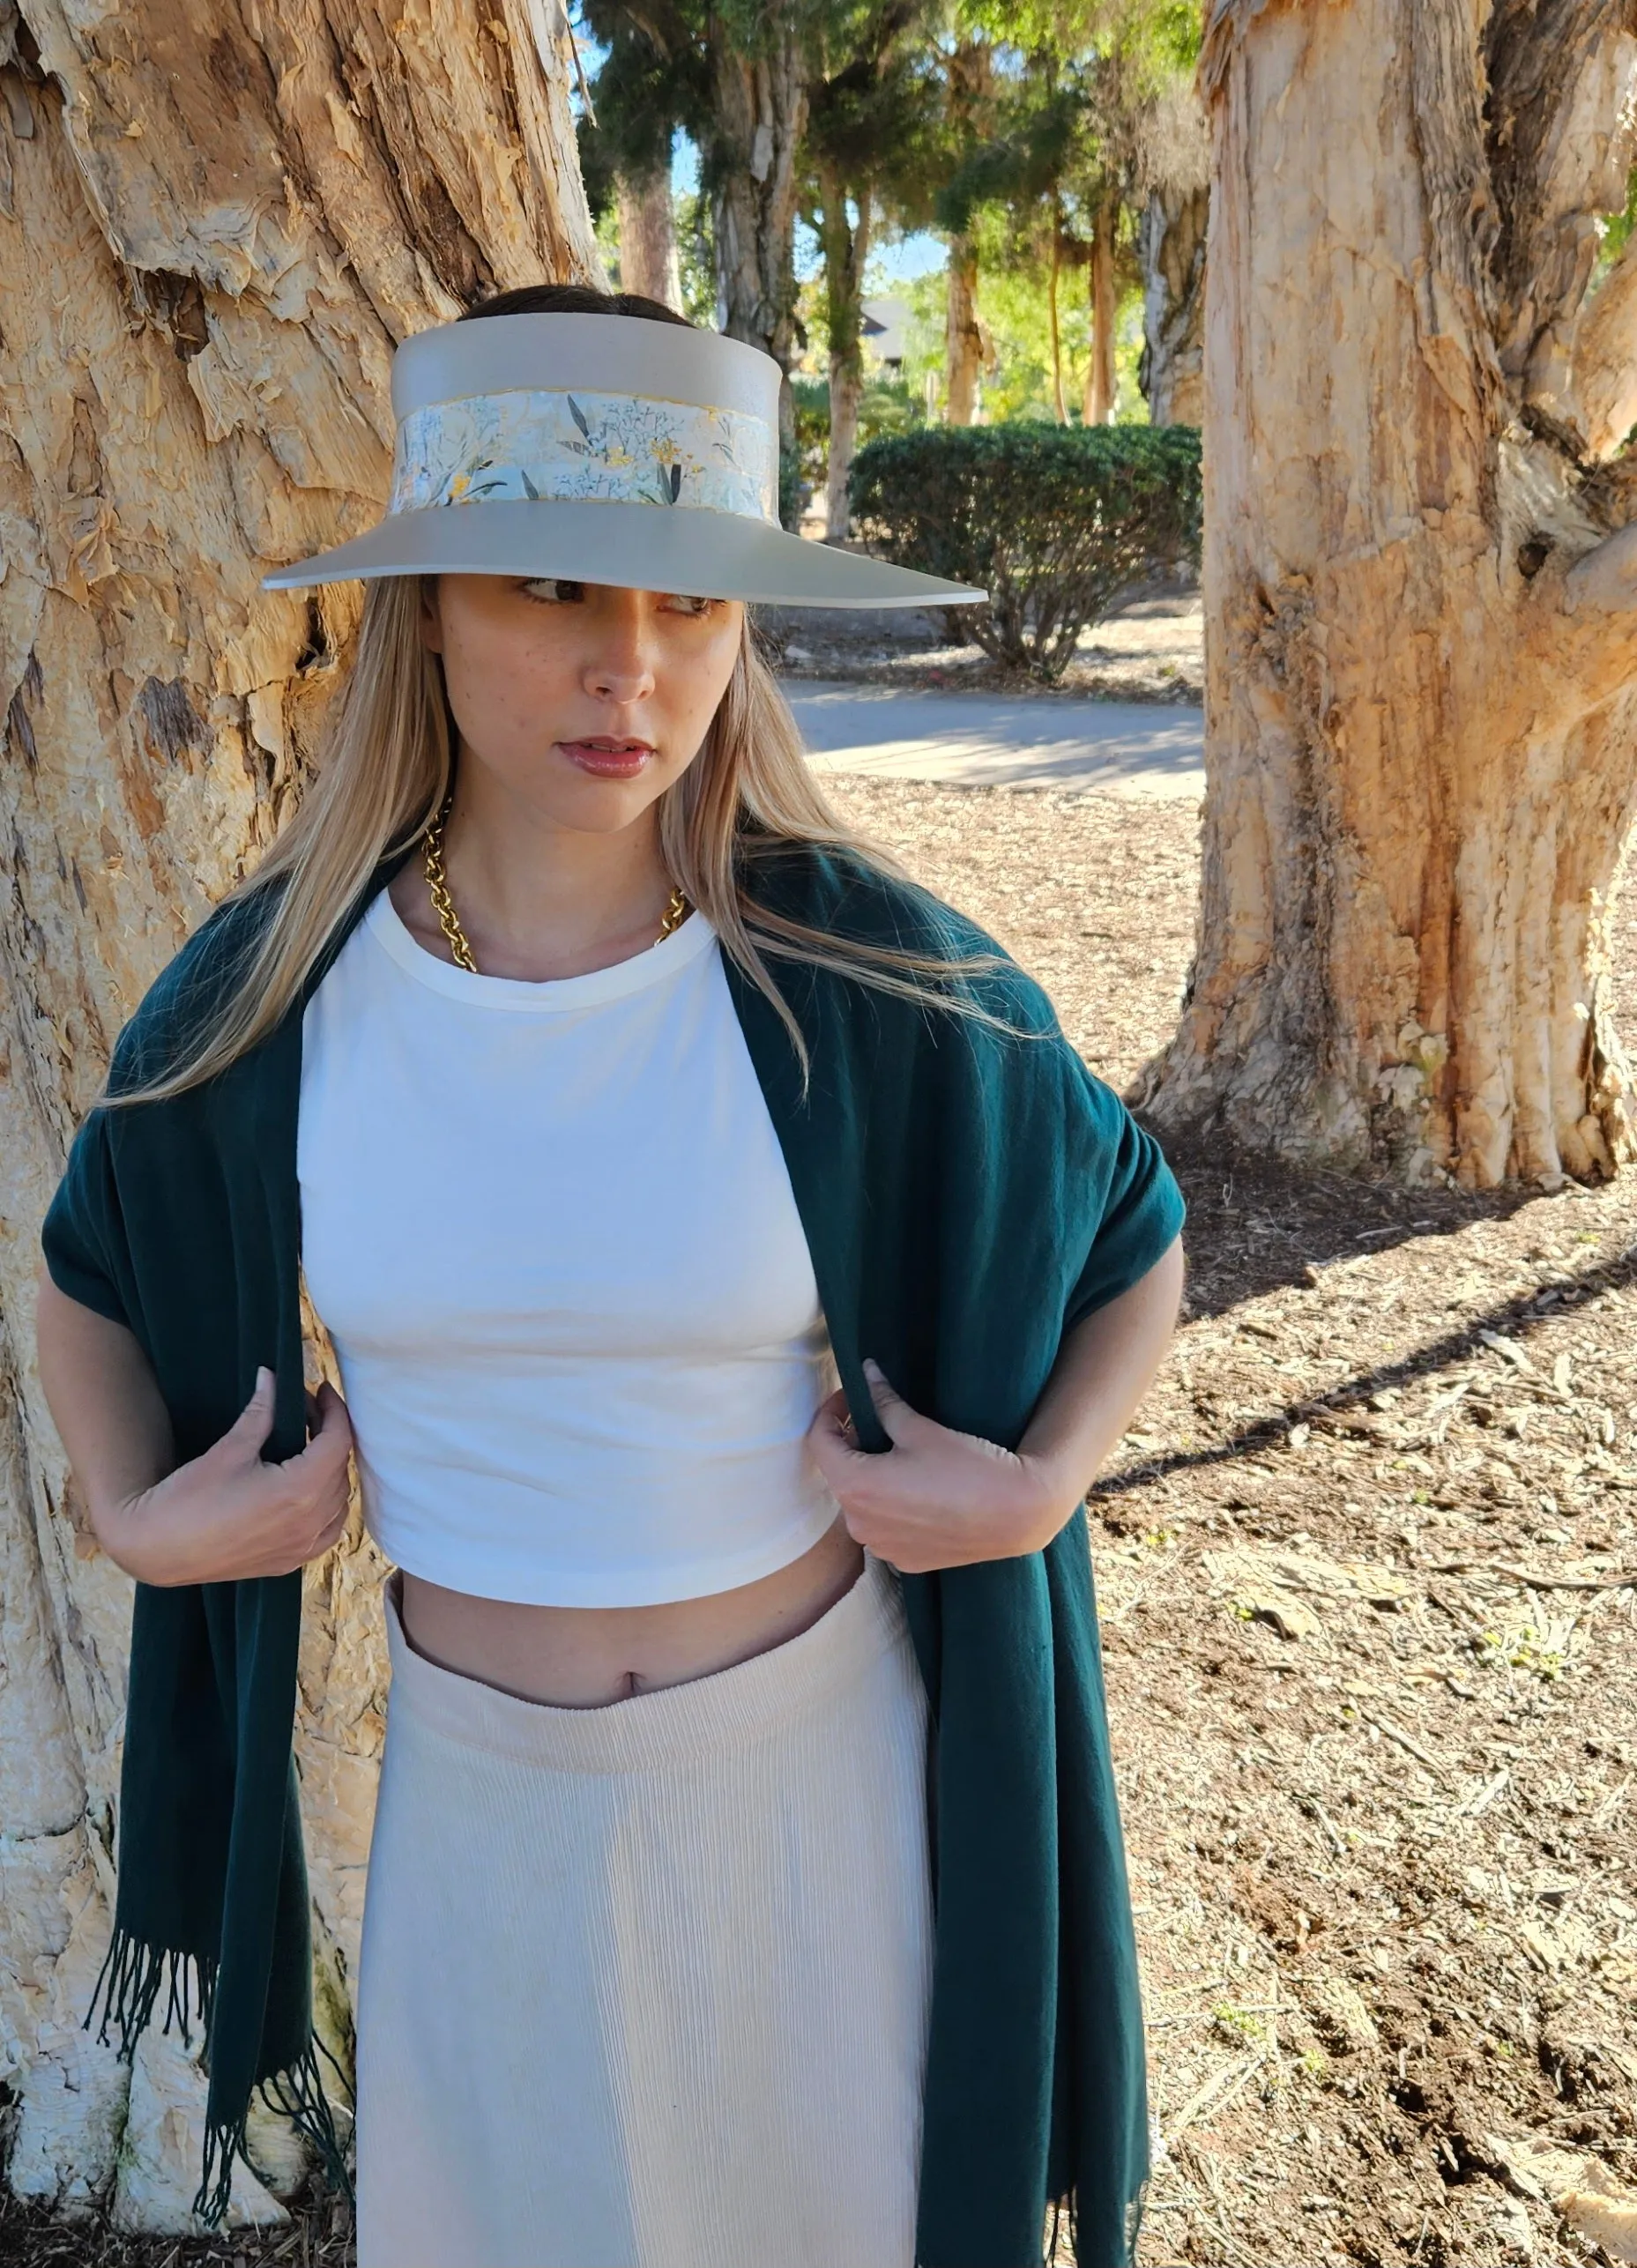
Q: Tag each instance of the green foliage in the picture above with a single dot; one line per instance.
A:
(887, 405)
(1055, 522)
(1613, 232)
(1011, 302)
(695, 258)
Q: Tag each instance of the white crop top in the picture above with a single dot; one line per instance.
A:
(551, 1233)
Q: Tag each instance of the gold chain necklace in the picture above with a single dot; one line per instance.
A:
(676, 911)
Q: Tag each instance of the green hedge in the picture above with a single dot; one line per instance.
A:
(1053, 521)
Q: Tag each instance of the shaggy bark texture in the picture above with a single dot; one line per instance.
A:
(215, 223)
(1419, 583)
(1170, 249)
(648, 255)
(762, 110)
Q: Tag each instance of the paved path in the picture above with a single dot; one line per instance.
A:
(986, 741)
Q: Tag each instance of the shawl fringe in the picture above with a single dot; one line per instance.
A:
(134, 1973)
(1065, 2215)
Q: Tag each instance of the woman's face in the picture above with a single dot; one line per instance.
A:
(586, 699)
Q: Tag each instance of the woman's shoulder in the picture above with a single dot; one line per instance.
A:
(191, 989)
(841, 888)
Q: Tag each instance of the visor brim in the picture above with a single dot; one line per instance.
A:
(687, 549)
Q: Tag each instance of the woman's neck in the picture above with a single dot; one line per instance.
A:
(536, 899)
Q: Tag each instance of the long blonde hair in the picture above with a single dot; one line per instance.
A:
(387, 762)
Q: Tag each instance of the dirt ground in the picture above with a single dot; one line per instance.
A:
(1366, 1567)
(1148, 649)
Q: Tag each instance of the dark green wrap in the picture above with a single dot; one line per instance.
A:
(968, 1196)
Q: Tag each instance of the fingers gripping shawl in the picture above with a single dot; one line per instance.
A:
(967, 1196)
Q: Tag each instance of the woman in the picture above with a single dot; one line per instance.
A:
(736, 1280)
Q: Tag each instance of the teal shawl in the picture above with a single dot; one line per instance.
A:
(968, 1196)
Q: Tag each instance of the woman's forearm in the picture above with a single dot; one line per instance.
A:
(105, 1403)
(1103, 1370)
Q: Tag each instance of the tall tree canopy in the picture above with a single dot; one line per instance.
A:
(875, 147)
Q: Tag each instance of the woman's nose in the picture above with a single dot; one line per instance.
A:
(621, 667)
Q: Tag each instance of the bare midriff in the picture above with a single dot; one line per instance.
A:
(584, 1657)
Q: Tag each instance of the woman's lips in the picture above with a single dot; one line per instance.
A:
(610, 763)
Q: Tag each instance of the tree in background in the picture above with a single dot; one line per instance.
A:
(625, 135)
(1026, 172)
(969, 92)
(1172, 182)
(734, 74)
(215, 225)
(874, 145)
(1420, 578)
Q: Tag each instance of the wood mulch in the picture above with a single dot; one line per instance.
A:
(1366, 1567)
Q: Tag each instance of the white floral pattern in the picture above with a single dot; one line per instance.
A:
(621, 448)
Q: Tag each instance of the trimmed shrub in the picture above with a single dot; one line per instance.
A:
(1055, 522)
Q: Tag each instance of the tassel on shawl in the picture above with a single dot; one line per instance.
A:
(134, 1974)
(298, 2092)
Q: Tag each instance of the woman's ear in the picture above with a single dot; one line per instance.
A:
(430, 621)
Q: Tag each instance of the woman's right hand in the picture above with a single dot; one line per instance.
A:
(228, 1514)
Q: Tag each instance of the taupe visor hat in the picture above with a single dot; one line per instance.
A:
(603, 448)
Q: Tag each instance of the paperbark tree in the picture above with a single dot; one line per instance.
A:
(963, 337)
(1171, 249)
(1098, 407)
(1170, 193)
(647, 224)
(969, 80)
(215, 222)
(1419, 583)
(846, 249)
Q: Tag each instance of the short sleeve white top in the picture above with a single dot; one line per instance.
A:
(550, 1231)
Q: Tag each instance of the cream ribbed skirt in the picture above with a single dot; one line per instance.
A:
(646, 1986)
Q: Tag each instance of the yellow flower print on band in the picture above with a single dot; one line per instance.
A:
(621, 448)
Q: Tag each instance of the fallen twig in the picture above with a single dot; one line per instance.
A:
(1529, 1579)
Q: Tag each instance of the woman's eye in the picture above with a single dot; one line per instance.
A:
(550, 587)
(691, 606)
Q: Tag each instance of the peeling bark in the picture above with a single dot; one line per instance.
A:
(761, 113)
(1171, 249)
(1420, 703)
(215, 224)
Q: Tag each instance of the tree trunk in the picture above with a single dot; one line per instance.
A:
(1170, 248)
(962, 340)
(215, 225)
(845, 251)
(647, 223)
(761, 114)
(1059, 407)
(1419, 702)
(970, 81)
(1099, 395)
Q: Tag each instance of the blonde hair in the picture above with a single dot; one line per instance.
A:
(387, 762)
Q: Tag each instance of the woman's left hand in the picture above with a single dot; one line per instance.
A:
(936, 1498)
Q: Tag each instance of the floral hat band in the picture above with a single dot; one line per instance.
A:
(608, 448)
(619, 448)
